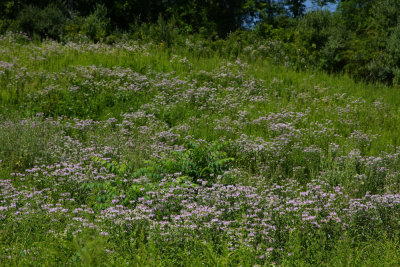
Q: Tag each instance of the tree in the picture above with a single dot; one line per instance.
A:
(322, 3)
(296, 7)
(356, 13)
(221, 16)
(272, 9)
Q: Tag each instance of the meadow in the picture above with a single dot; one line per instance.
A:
(144, 154)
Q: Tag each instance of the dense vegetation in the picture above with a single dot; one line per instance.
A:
(360, 37)
(142, 154)
(171, 140)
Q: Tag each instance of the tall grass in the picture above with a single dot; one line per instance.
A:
(141, 154)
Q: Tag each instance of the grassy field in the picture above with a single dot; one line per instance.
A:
(145, 155)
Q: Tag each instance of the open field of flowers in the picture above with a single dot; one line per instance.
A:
(137, 154)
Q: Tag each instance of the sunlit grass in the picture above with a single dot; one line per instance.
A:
(140, 154)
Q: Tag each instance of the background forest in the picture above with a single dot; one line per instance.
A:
(360, 37)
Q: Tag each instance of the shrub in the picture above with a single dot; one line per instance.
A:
(96, 25)
(323, 37)
(163, 31)
(47, 22)
(393, 51)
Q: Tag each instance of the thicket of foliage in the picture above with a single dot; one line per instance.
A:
(361, 37)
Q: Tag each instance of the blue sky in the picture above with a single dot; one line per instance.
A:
(330, 6)
(309, 7)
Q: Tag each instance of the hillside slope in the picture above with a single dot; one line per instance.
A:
(138, 154)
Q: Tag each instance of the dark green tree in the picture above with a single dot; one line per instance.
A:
(322, 3)
(356, 13)
(218, 16)
(272, 9)
(296, 7)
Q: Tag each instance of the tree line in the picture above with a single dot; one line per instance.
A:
(216, 16)
(360, 37)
